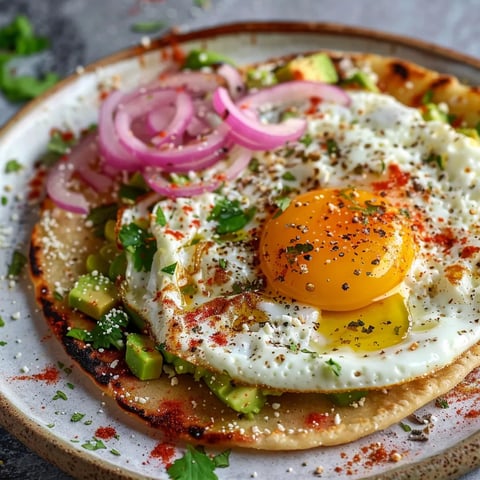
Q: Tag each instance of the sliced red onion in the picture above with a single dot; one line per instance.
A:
(293, 92)
(170, 157)
(110, 148)
(269, 135)
(236, 85)
(158, 119)
(239, 156)
(58, 182)
(79, 161)
(180, 121)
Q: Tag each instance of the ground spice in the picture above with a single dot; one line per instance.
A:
(105, 433)
(165, 452)
(49, 375)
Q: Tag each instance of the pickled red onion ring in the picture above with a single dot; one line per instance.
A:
(270, 135)
(79, 160)
(240, 157)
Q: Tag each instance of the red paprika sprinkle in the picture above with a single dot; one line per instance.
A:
(105, 433)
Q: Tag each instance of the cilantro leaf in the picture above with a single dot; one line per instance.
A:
(230, 216)
(197, 465)
(140, 244)
(107, 331)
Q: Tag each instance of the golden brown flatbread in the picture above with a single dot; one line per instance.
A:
(185, 409)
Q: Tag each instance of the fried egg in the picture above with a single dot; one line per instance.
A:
(356, 268)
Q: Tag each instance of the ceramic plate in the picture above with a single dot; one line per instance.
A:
(43, 395)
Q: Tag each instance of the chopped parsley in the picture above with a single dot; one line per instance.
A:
(282, 203)
(140, 243)
(332, 147)
(13, 166)
(94, 444)
(288, 176)
(2, 322)
(108, 331)
(230, 216)
(99, 216)
(18, 262)
(59, 144)
(197, 465)
(436, 159)
(441, 403)
(76, 417)
(405, 427)
(307, 139)
(160, 218)
(170, 269)
(60, 396)
(334, 366)
(298, 249)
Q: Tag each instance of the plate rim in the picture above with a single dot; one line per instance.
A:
(64, 456)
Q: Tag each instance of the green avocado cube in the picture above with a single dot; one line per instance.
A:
(143, 359)
(317, 68)
(93, 294)
(241, 398)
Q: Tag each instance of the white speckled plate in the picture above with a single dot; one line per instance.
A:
(42, 392)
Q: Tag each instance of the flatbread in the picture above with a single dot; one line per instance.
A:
(185, 409)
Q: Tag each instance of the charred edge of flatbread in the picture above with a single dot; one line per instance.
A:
(173, 411)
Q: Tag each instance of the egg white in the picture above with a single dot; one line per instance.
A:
(280, 346)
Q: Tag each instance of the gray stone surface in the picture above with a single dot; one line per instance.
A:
(85, 30)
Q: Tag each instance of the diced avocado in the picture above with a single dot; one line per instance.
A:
(93, 294)
(143, 359)
(363, 80)
(345, 399)
(96, 263)
(433, 113)
(109, 230)
(242, 399)
(317, 67)
(135, 317)
(180, 365)
(197, 59)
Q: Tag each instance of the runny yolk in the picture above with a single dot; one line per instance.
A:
(337, 249)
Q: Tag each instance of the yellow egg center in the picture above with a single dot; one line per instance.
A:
(337, 249)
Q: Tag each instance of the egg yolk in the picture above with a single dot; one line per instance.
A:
(337, 249)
